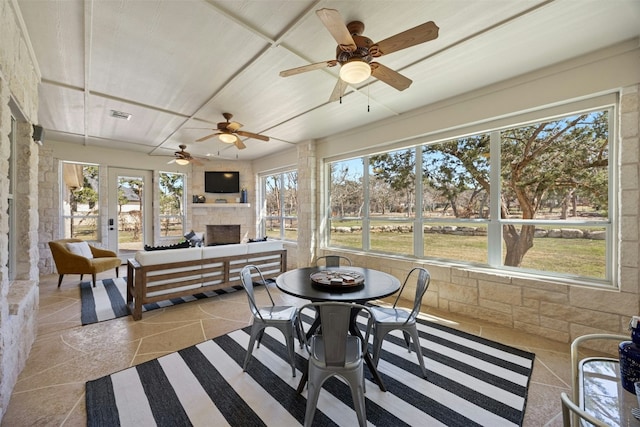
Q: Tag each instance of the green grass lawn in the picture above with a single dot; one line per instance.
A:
(582, 257)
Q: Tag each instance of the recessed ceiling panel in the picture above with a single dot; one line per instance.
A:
(144, 127)
(171, 55)
(56, 32)
(269, 18)
(61, 109)
(260, 98)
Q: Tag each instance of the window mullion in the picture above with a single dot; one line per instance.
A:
(494, 233)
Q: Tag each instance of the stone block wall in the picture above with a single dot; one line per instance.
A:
(210, 213)
(19, 78)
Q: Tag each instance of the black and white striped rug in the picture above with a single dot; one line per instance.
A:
(471, 381)
(108, 300)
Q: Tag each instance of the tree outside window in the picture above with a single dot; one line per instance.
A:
(548, 206)
(172, 199)
(80, 196)
(280, 215)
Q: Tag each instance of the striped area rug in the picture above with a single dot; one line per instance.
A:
(471, 381)
(108, 300)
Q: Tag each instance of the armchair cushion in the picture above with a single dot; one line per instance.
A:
(80, 248)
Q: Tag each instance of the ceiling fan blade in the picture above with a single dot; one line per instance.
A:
(204, 138)
(389, 76)
(171, 161)
(332, 19)
(310, 67)
(416, 35)
(239, 144)
(195, 161)
(252, 135)
(338, 90)
(233, 126)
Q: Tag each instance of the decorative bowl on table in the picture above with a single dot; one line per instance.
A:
(337, 279)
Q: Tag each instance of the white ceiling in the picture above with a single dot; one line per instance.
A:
(177, 65)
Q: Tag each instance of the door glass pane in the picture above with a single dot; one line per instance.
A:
(130, 210)
(80, 195)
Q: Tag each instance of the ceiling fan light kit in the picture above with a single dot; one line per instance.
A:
(229, 132)
(227, 138)
(183, 158)
(355, 71)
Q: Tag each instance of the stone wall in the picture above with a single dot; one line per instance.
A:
(19, 78)
(210, 213)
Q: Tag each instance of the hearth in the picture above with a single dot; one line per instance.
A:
(222, 234)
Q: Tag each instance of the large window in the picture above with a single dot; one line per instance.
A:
(279, 216)
(533, 197)
(80, 201)
(172, 197)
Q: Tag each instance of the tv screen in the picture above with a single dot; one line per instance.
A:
(221, 182)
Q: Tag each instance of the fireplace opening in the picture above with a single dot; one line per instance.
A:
(222, 234)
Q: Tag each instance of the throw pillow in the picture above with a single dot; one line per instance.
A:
(180, 245)
(80, 248)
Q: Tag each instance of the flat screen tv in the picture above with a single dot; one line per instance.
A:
(221, 182)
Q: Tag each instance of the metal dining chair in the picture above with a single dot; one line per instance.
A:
(336, 352)
(332, 261)
(281, 317)
(387, 319)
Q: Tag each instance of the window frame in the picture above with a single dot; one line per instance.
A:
(183, 216)
(282, 217)
(64, 217)
(494, 223)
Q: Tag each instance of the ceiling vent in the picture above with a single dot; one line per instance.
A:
(120, 115)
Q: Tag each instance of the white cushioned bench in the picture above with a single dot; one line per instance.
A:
(154, 276)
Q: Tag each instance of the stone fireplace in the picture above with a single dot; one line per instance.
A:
(222, 234)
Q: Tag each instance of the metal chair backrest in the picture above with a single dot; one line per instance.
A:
(422, 284)
(335, 318)
(246, 276)
(333, 260)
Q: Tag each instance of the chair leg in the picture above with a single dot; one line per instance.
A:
(379, 333)
(93, 279)
(357, 392)
(256, 329)
(314, 385)
(260, 335)
(60, 279)
(407, 339)
(416, 343)
(117, 271)
(288, 336)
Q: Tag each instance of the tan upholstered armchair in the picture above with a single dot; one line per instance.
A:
(93, 262)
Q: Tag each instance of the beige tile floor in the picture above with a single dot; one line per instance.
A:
(50, 390)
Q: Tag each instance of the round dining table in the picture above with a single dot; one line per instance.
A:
(376, 285)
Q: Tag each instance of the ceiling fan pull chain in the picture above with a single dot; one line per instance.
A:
(368, 99)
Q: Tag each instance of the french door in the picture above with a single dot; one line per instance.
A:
(130, 222)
